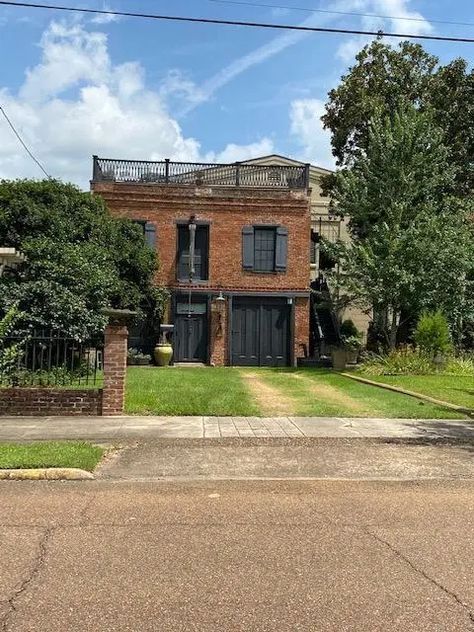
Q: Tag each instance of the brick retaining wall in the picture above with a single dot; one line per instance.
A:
(50, 401)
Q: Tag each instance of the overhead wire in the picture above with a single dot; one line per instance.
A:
(222, 22)
(334, 12)
(22, 142)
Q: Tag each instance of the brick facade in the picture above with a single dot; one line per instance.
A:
(50, 401)
(226, 210)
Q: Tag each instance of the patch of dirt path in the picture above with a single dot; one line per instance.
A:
(270, 399)
(333, 395)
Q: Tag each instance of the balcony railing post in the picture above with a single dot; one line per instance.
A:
(306, 175)
(95, 168)
(167, 170)
(237, 174)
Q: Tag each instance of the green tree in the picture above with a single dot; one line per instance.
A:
(80, 259)
(412, 247)
(382, 80)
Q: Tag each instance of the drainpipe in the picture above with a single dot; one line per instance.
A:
(192, 246)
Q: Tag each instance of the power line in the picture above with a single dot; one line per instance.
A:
(24, 144)
(332, 12)
(262, 25)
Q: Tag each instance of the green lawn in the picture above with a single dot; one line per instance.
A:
(187, 391)
(455, 389)
(266, 392)
(322, 392)
(50, 454)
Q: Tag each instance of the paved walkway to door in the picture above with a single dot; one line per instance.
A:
(114, 428)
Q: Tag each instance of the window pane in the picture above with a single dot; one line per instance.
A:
(265, 249)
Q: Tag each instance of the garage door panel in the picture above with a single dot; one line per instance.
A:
(274, 335)
(260, 333)
(245, 336)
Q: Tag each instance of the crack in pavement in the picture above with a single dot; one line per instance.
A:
(421, 572)
(401, 556)
(37, 563)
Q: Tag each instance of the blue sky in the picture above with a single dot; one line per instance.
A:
(75, 86)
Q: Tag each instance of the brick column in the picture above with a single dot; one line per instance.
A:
(301, 327)
(218, 337)
(115, 366)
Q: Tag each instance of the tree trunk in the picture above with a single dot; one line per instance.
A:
(394, 329)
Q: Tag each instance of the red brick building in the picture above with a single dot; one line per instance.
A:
(233, 243)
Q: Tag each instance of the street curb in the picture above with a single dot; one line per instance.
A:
(397, 389)
(46, 474)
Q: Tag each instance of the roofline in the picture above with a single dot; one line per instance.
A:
(300, 162)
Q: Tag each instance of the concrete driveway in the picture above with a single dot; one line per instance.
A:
(224, 556)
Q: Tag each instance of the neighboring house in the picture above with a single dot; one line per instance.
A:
(234, 249)
(325, 225)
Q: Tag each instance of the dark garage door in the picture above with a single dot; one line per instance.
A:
(260, 332)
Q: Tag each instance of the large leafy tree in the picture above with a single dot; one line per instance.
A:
(384, 79)
(412, 246)
(80, 259)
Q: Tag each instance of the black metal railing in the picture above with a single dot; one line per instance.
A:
(48, 358)
(193, 173)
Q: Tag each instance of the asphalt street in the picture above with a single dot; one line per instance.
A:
(237, 555)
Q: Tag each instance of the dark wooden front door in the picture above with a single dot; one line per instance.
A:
(260, 332)
(190, 338)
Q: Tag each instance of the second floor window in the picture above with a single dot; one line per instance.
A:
(264, 248)
(201, 253)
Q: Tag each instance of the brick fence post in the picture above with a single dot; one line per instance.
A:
(115, 367)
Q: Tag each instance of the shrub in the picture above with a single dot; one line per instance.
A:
(463, 365)
(432, 334)
(402, 361)
(349, 329)
(351, 337)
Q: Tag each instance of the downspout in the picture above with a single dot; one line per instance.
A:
(192, 247)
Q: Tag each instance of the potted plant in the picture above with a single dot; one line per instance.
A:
(351, 339)
(135, 357)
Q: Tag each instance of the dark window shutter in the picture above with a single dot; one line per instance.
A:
(281, 250)
(150, 235)
(248, 247)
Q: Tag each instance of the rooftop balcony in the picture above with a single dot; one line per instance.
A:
(167, 172)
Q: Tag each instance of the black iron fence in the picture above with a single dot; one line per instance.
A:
(169, 172)
(48, 358)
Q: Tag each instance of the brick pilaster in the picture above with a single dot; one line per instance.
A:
(115, 367)
(218, 338)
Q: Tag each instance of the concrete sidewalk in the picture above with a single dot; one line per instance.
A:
(152, 428)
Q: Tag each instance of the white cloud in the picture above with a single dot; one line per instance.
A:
(308, 131)
(75, 102)
(105, 18)
(259, 55)
(177, 86)
(404, 21)
(346, 52)
(237, 153)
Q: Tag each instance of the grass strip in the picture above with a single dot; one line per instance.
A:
(77, 454)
